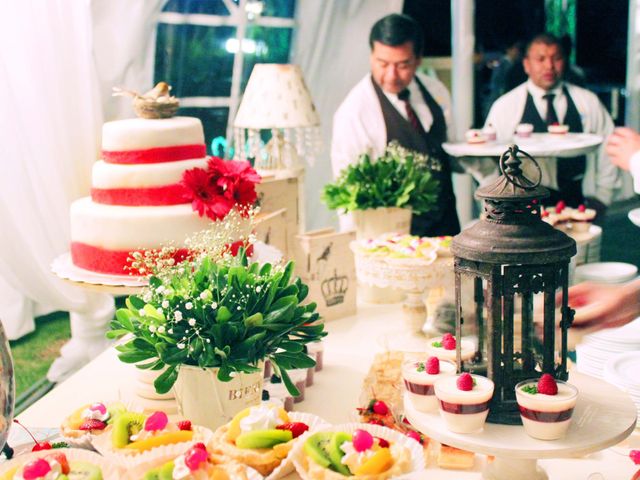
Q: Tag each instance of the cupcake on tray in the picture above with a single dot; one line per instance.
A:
(490, 133)
(558, 129)
(363, 451)
(474, 136)
(262, 438)
(524, 130)
(59, 464)
(89, 421)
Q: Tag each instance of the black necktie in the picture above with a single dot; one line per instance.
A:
(411, 114)
(552, 117)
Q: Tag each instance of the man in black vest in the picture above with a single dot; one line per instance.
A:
(545, 99)
(393, 102)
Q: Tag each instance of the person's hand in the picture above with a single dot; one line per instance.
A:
(604, 306)
(621, 145)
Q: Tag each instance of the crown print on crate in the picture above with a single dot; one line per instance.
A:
(334, 289)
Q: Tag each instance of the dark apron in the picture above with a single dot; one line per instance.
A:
(443, 218)
(570, 171)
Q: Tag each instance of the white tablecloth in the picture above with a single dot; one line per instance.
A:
(349, 350)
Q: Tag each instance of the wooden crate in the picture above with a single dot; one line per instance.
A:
(271, 228)
(325, 263)
(284, 191)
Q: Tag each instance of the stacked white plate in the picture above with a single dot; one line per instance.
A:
(598, 348)
(622, 371)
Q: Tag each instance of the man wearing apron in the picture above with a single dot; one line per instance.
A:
(543, 100)
(393, 102)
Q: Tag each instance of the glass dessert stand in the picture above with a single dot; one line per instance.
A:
(415, 276)
(603, 417)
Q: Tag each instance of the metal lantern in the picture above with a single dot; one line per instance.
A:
(511, 254)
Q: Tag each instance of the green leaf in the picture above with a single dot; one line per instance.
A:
(253, 320)
(124, 317)
(117, 333)
(170, 354)
(134, 357)
(223, 314)
(134, 302)
(166, 379)
(292, 347)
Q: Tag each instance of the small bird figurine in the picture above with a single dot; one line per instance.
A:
(156, 103)
(160, 90)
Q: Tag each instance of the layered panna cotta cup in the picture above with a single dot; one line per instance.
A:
(464, 411)
(546, 417)
(419, 383)
(524, 130)
(438, 347)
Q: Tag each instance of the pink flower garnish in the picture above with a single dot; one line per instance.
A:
(156, 421)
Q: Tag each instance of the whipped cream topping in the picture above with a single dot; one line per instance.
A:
(95, 414)
(180, 469)
(260, 418)
(352, 458)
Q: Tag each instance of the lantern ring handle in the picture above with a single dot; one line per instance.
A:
(513, 151)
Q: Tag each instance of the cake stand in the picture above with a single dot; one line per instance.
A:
(415, 276)
(64, 268)
(603, 416)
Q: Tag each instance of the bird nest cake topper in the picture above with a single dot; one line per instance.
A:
(156, 103)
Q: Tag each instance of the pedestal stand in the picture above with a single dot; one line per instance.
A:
(603, 417)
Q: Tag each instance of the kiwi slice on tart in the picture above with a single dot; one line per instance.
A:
(336, 453)
(125, 425)
(263, 438)
(316, 447)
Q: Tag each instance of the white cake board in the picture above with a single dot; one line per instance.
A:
(64, 268)
(603, 416)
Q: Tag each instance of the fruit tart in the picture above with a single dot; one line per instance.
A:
(54, 465)
(260, 437)
(374, 453)
(196, 463)
(89, 420)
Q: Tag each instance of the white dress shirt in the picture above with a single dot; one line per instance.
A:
(634, 169)
(358, 124)
(602, 179)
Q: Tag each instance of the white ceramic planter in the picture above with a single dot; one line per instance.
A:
(207, 401)
(375, 221)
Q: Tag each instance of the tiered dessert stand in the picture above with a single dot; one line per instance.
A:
(415, 276)
(603, 416)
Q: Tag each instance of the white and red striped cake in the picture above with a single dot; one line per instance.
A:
(137, 200)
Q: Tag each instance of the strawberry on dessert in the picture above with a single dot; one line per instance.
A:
(546, 406)
(464, 401)
(419, 378)
(445, 348)
(91, 419)
(377, 412)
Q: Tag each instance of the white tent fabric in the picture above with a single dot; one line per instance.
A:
(53, 65)
(332, 48)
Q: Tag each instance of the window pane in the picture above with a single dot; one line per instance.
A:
(265, 45)
(213, 7)
(195, 60)
(214, 122)
(279, 8)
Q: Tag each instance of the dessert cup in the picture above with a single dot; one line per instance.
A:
(464, 411)
(524, 130)
(558, 129)
(475, 136)
(467, 346)
(546, 417)
(419, 383)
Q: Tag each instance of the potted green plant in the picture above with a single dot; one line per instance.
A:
(210, 324)
(395, 184)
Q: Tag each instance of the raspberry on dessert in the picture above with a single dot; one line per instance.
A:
(92, 424)
(544, 213)
(380, 408)
(582, 208)
(415, 435)
(184, 425)
(449, 343)
(634, 455)
(447, 335)
(375, 421)
(433, 365)
(465, 382)
(561, 205)
(382, 442)
(547, 385)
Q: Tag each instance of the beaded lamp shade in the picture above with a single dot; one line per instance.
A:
(276, 99)
(512, 255)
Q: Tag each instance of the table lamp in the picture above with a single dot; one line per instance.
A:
(276, 99)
